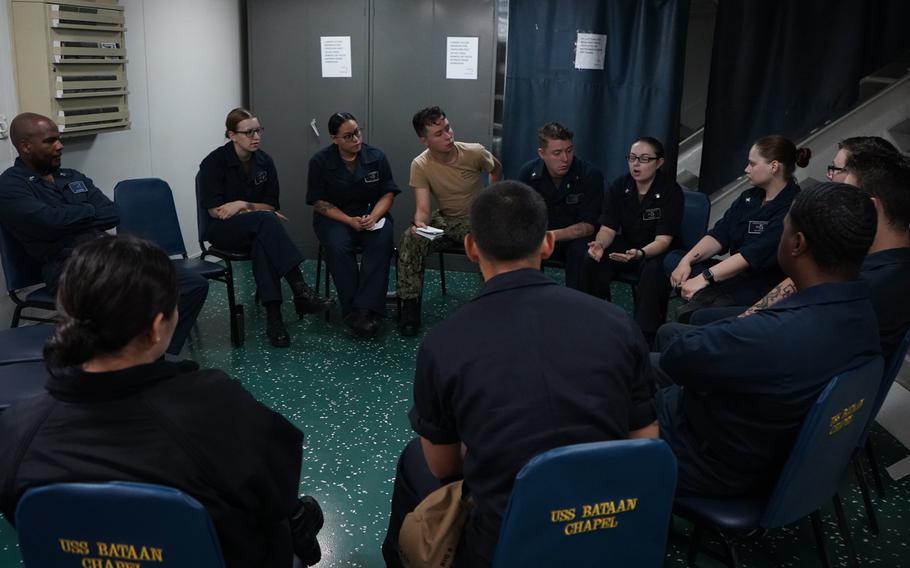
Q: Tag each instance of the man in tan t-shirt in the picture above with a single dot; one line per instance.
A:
(453, 173)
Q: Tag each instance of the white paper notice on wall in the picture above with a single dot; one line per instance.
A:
(589, 51)
(461, 58)
(336, 56)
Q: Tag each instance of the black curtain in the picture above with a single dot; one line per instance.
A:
(636, 94)
(785, 67)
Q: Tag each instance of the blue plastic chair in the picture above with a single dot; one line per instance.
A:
(892, 367)
(147, 210)
(694, 225)
(600, 504)
(21, 272)
(22, 370)
(226, 256)
(65, 523)
(810, 476)
(696, 212)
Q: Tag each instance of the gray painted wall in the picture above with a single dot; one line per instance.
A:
(398, 66)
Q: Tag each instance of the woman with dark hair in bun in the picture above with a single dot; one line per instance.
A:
(115, 410)
(749, 230)
(238, 186)
(351, 188)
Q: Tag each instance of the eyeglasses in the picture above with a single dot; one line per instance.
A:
(252, 132)
(643, 159)
(834, 170)
(357, 132)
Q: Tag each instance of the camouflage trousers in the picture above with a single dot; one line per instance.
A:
(413, 250)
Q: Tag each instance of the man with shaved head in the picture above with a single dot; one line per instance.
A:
(50, 210)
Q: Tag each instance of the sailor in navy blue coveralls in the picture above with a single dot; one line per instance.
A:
(222, 179)
(355, 192)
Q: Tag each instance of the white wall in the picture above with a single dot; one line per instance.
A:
(184, 72)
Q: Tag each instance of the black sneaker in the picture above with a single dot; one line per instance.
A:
(409, 319)
(275, 330)
(307, 301)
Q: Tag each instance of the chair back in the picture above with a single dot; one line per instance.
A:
(19, 269)
(892, 367)
(696, 211)
(147, 210)
(826, 442)
(599, 504)
(68, 524)
(202, 217)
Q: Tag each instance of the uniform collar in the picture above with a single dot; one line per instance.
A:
(334, 161)
(514, 279)
(900, 255)
(660, 183)
(234, 160)
(28, 172)
(829, 293)
(573, 174)
(75, 385)
(785, 196)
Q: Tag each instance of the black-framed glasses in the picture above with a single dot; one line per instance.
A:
(643, 159)
(356, 133)
(834, 170)
(252, 132)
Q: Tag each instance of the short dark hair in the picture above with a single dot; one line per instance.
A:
(654, 143)
(888, 180)
(776, 147)
(337, 119)
(508, 221)
(111, 290)
(866, 159)
(552, 131)
(425, 117)
(839, 224)
(871, 144)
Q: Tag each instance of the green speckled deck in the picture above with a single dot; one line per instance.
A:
(351, 398)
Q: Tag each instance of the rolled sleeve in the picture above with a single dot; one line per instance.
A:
(387, 180)
(315, 187)
(430, 417)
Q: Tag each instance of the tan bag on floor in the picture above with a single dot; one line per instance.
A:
(430, 534)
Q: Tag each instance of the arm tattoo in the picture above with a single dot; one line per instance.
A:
(322, 206)
(778, 293)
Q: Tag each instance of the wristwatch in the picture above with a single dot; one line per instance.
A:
(708, 276)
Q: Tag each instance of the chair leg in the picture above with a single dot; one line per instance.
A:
(694, 543)
(873, 465)
(864, 489)
(17, 313)
(819, 531)
(236, 312)
(730, 546)
(318, 266)
(442, 272)
(845, 531)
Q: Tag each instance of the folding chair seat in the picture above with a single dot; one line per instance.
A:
(22, 273)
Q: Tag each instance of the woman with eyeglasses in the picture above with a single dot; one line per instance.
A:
(115, 410)
(641, 216)
(749, 231)
(237, 185)
(351, 188)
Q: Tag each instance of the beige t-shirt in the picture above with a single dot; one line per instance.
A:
(453, 185)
